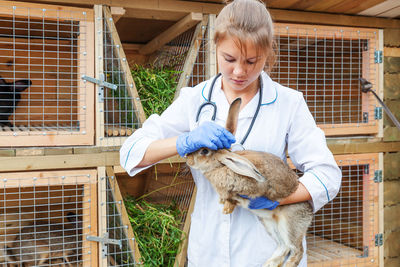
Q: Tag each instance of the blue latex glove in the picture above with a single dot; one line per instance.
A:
(208, 134)
(261, 203)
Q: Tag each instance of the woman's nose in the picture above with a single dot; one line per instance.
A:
(239, 69)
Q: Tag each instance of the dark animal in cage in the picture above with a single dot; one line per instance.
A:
(44, 243)
(10, 95)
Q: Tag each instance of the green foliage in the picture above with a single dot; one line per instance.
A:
(157, 231)
(156, 87)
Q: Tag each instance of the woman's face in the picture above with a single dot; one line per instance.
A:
(239, 70)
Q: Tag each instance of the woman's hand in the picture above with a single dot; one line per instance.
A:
(208, 134)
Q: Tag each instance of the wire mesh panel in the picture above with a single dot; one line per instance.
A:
(166, 188)
(45, 218)
(343, 231)
(325, 63)
(44, 51)
(118, 105)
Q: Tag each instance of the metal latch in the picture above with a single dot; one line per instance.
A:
(104, 240)
(101, 83)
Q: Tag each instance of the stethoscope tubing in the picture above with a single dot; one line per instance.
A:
(214, 106)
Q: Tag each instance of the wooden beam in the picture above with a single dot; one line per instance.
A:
(279, 15)
(75, 161)
(180, 27)
(117, 13)
(154, 14)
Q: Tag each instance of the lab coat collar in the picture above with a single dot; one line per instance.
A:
(270, 95)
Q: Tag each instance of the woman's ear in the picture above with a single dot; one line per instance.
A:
(241, 165)
(233, 116)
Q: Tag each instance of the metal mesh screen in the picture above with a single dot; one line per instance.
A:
(342, 232)
(123, 254)
(199, 72)
(325, 63)
(42, 57)
(121, 117)
(44, 223)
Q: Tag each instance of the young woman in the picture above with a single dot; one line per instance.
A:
(273, 118)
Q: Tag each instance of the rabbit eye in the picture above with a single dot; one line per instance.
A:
(204, 151)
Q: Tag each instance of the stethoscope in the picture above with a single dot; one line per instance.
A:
(214, 107)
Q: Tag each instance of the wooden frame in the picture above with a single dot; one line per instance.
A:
(48, 179)
(325, 252)
(46, 134)
(370, 70)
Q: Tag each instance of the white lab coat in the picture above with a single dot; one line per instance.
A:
(239, 239)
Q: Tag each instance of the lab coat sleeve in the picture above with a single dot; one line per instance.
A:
(172, 122)
(308, 151)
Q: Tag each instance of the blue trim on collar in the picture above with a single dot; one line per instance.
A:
(273, 101)
(202, 92)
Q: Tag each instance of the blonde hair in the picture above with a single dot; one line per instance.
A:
(247, 20)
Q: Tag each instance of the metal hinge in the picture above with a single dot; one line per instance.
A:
(365, 117)
(378, 176)
(378, 113)
(104, 241)
(378, 240)
(101, 84)
(378, 56)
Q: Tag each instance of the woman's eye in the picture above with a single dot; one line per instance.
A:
(229, 60)
(203, 151)
(251, 62)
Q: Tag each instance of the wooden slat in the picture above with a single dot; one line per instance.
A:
(191, 56)
(153, 14)
(180, 27)
(380, 8)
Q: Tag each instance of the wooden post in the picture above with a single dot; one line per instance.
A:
(211, 54)
(102, 210)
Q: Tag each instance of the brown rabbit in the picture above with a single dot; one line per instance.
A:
(257, 174)
(41, 243)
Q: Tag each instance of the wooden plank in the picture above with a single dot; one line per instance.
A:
(211, 50)
(51, 12)
(212, 8)
(154, 14)
(178, 28)
(99, 63)
(391, 51)
(112, 179)
(59, 161)
(180, 259)
(117, 13)
(102, 206)
(380, 8)
(191, 56)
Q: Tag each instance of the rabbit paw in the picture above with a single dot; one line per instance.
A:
(228, 207)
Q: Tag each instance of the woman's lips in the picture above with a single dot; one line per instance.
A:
(238, 81)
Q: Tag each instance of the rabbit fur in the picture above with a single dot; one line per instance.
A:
(41, 243)
(255, 174)
(10, 95)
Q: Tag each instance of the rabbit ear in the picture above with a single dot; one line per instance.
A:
(233, 115)
(21, 85)
(241, 165)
